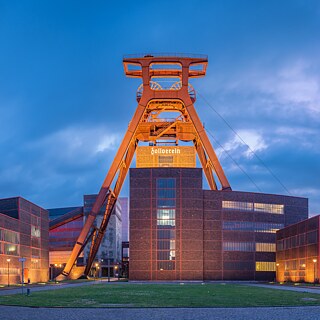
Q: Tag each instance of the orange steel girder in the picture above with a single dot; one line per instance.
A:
(150, 100)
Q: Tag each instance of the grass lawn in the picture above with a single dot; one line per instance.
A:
(163, 295)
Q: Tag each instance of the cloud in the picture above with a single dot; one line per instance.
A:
(295, 85)
(57, 169)
(246, 142)
(76, 144)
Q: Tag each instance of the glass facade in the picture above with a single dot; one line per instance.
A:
(166, 223)
(253, 206)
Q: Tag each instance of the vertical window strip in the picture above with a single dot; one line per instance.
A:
(166, 214)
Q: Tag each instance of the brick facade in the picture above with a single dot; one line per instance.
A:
(210, 241)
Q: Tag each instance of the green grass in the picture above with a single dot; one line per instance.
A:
(163, 295)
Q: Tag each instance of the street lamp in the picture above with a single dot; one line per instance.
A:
(277, 271)
(97, 267)
(54, 270)
(116, 271)
(8, 260)
(314, 270)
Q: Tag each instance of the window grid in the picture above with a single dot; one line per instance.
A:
(265, 247)
(253, 206)
(238, 246)
(166, 214)
(265, 266)
(252, 226)
(248, 246)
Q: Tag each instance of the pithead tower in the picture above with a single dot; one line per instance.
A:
(165, 115)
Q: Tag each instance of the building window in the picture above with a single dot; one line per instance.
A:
(166, 215)
(11, 249)
(35, 264)
(265, 266)
(35, 231)
(238, 246)
(252, 226)
(312, 237)
(237, 205)
(9, 242)
(9, 236)
(35, 253)
(280, 245)
(165, 161)
(265, 247)
(250, 206)
(4, 271)
(270, 208)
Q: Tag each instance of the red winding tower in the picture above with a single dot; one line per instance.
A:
(154, 99)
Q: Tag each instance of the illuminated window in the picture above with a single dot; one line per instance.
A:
(270, 208)
(302, 264)
(265, 266)
(35, 263)
(9, 236)
(11, 270)
(11, 249)
(236, 205)
(238, 246)
(166, 215)
(249, 206)
(35, 231)
(265, 247)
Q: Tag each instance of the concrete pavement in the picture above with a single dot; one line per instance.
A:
(288, 313)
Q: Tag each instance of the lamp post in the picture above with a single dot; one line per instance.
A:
(8, 260)
(108, 269)
(277, 271)
(95, 273)
(314, 270)
(54, 271)
(116, 272)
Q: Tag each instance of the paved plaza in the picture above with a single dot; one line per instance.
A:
(290, 313)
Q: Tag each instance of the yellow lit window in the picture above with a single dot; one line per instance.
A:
(265, 266)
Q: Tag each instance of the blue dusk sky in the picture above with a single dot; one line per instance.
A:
(65, 102)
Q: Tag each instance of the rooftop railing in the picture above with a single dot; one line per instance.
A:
(182, 55)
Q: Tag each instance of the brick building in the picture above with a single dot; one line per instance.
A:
(298, 253)
(24, 233)
(179, 231)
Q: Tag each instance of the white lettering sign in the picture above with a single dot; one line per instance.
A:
(164, 151)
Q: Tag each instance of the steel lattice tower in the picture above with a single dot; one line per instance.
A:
(148, 126)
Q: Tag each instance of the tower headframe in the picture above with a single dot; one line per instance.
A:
(154, 98)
